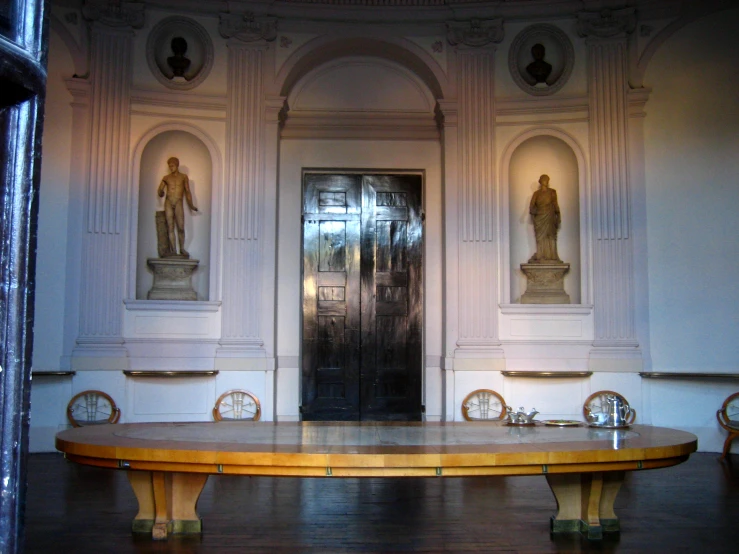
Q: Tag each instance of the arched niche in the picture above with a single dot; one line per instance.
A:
(538, 155)
(196, 163)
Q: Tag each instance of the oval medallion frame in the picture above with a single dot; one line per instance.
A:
(199, 52)
(560, 54)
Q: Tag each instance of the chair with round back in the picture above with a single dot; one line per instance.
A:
(596, 404)
(483, 405)
(92, 407)
(728, 418)
(237, 404)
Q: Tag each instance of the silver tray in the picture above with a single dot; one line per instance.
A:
(525, 424)
(604, 426)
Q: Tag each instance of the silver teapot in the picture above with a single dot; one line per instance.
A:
(521, 417)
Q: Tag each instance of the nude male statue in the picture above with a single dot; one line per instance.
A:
(177, 186)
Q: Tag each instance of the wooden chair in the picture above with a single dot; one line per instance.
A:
(595, 404)
(237, 404)
(483, 405)
(728, 418)
(92, 407)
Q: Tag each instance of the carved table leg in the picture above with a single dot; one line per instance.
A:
(585, 502)
(166, 502)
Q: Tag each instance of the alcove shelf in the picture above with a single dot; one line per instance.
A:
(169, 374)
(689, 376)
(548, 374)
(43, 373)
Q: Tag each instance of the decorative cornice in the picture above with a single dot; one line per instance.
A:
(276, 109)
(475, 32)
(114, 13)
(446, 113)
(247, 28)
(606, 23)
(637, 99)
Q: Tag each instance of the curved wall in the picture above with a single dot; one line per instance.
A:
(692, 140)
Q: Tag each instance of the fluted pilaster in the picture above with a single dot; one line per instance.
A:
(613, 267)
(243, 238)
(103, 253)
(478, 249)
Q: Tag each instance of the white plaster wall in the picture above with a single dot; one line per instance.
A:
(691, 145)
(354, 154)
(361, 84)
(692, 140)
(195, 162)
(53, 208)
(49, 395)
(533, 158)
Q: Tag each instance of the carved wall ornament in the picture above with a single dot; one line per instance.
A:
(541, 59)
(115, 13)
(437, 47)
(179, 52)
(247, 27)
(606, 23)
(285, 42)
(476, 32)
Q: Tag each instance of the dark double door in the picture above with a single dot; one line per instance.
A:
(362, 297)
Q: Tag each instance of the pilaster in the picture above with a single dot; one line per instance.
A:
(616, 345)
(477, 219)
(80, 89)
(447, 115)
(247, 313)
(103, 253)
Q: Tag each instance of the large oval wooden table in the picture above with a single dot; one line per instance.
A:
(169, 463)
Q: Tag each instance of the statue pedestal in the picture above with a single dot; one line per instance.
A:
(172, 278)
(545, 283)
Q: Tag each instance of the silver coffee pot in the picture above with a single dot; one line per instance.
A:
(617, 410)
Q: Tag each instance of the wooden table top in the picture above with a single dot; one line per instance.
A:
(373, 449)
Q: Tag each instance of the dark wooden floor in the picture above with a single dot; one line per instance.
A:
(693, 507)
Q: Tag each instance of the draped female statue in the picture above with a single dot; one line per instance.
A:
(544, 210)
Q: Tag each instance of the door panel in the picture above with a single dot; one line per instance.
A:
(362, 297)
(391, 375)
(331, 297)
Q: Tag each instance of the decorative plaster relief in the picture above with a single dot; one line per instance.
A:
(541, 59)
(115, 14)
(247, 28)
(475, 32)
(179, 52)
(607, 23)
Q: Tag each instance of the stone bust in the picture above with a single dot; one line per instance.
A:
(178, 62)
(539, 70)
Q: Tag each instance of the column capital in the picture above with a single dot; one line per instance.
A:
(606, 24)
(475, 32)
(247, 28)
(116, 14)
